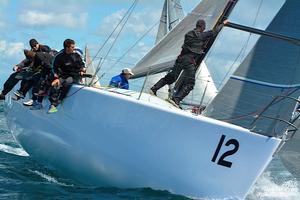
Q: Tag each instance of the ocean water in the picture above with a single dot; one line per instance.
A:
(23, 178)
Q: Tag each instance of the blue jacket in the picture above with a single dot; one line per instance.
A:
(119, 81)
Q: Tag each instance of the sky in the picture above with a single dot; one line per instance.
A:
(90, 22)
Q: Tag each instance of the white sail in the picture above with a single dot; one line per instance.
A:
(90, 69)
(205, 89)
(171, 15)
(163, 23)
(175, 13)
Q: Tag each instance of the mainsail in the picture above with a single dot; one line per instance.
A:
(270, 72)
(172, 13)
(163, 55)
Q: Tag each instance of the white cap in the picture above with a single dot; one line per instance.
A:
(127, 71)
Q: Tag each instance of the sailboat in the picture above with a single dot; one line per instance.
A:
(128, 139)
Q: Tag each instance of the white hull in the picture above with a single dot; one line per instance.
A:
(107, 139)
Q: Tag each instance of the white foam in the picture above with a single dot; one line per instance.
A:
(266, 188)
(13, 150)
(49, 178)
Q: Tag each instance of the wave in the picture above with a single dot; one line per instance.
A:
(267, 188)
(49, 178)
(13, 150)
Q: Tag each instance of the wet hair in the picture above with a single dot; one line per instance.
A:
(200, 24)
(33, 42)
(68, 43)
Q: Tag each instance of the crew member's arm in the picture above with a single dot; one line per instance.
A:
(215, 31)
(81, 65)
(115, 82)
(56, 65)
(45, 48)
(22, 65)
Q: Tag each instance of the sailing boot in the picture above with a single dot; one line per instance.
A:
(171, 101)
(161, 83)
(52, 109)
(182, 93)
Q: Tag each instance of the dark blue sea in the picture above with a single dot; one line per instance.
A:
(23, 178)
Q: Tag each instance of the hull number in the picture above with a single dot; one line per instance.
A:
(222, 160)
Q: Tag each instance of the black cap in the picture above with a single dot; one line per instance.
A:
(33, 43)
(200, 23)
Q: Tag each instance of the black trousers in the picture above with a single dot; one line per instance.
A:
(33, 83)
(10, 83)
(58, 94)
(187, 64)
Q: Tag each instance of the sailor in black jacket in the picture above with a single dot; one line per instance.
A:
(37, 47)
(20, 68)
(40, 69)
(68, 67)
(187, 61)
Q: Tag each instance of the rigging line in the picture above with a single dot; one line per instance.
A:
(243, 49)
(123, 26)
(253, 24)
(107, 39)
(225, 15)
(129, 49)
(114, 59)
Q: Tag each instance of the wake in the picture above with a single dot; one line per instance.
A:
(267, 188)
(13, 150)
(49, 178)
